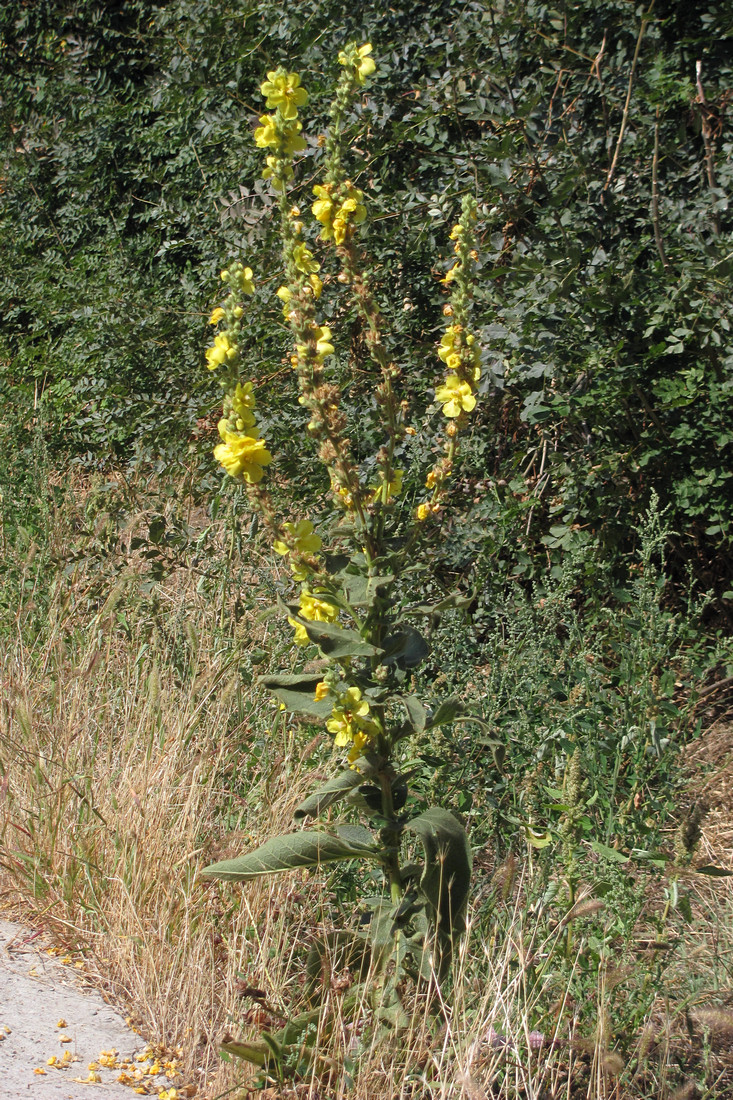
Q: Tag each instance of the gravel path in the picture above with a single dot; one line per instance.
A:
(45, 1014)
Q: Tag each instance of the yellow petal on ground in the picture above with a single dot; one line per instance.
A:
(40, 1071)
(62, 1023)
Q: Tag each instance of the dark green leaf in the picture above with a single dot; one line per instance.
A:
(405, 647)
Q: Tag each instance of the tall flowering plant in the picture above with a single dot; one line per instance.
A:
(351, 594)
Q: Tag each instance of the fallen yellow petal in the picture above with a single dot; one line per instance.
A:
(62, 1023)
(40, 1072)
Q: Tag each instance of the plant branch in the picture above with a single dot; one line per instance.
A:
(655, 196)
(707, 139)
(645, 19)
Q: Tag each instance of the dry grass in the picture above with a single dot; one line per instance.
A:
(132, 753)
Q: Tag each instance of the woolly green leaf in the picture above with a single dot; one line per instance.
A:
(336, 641)
(416, 712)
(297, 692)
(336, 789)
(608, 853)
(446, 874)
(285, 853)
(445, 712)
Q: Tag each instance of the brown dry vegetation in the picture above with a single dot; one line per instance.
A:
(133, 753)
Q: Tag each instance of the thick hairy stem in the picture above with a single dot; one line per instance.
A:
(391, 838)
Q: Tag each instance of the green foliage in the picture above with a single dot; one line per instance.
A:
(127, 161)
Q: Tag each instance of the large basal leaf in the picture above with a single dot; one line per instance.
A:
(285, 853)
(336, 641)
(446, 877)
(297, 692)
(336, 789)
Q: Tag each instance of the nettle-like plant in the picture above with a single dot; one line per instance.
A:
(360, 577)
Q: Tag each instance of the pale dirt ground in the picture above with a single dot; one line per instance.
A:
(36, 992)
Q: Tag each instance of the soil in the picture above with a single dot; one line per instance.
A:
(38, 994)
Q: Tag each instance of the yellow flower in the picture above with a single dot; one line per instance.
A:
(220, 351)
(352, 213)
(315, 610)
(323, 206)
(304, 540)
(322, 690)
(324, 347)
(240, 277)
(316, 285)
(394, 487)
(451, 275)
(216, 315)
(449, 341)
(422, 512)
(242, 456)
(363, 64)
(266, 134)
(455, 396)
(338, 219)
(303, 259)
(283, 90)
(346, 716)
(292, 140)
(284, 139)
(242, 404)
(301, 634)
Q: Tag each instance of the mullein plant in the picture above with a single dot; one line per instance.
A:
(349, 603)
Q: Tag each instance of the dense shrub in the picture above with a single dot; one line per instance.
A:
(129, 175)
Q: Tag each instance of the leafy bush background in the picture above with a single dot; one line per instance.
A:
(129, 176)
